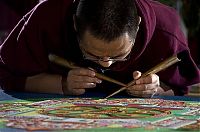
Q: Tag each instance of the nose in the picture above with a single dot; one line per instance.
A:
(106, 63)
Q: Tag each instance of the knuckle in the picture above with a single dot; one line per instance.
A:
(91, 72)
(81, 85)
(94, 80)
(70, 72)
(81, 71)
(89, 79)
(155, 78)
(132, 87)
(130, 91)
(84, 79)
(145, 87)
(151, 78)
(75, 72)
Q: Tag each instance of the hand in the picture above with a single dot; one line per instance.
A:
(145, 86)
(78, 80)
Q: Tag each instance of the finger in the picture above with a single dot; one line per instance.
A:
(152, 78)
(142, 87)
(82, 72)
(92, 69)
(147, 93)
(136, 74)
(86, 79)
(77, 91)
(84, 85)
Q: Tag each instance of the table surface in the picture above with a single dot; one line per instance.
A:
(5, 95)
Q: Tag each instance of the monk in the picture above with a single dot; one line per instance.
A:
(118, 38)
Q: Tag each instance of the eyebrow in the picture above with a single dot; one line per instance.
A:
(90, 53)
(99, 56)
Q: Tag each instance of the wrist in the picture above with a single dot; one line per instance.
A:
(64, 84)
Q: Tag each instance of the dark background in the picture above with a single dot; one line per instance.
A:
(11, 12)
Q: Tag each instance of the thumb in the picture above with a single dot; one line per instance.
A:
(136, 74)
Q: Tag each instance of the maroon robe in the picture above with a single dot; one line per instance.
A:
(48, 28)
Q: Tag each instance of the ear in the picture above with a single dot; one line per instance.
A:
(75, 23)
(138, 22)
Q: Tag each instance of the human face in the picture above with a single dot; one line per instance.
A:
(105, 53)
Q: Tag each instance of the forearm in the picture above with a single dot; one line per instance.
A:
(44, 83)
